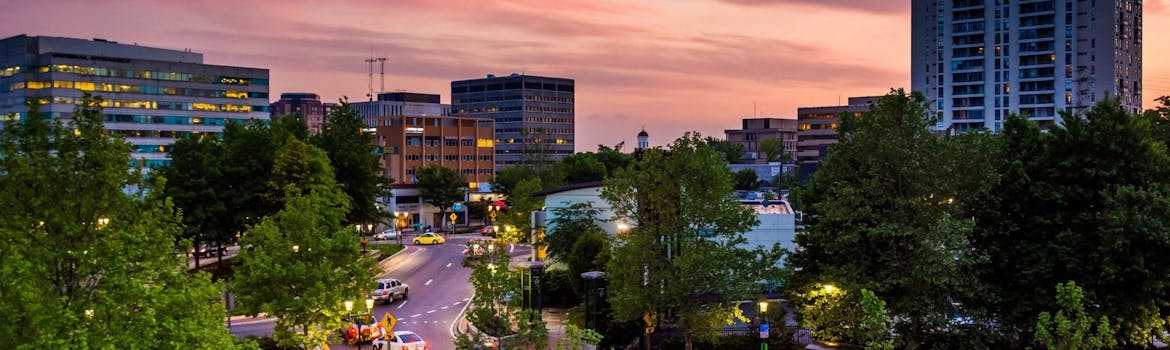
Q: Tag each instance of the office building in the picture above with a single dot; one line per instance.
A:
(414, 130)
(755, 130)
(533, 115)
(981, 60)
(307, 105)
(817, 130)
(152, 96)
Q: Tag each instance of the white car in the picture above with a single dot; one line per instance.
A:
(386, 235)
(404, 340)
(389, 289)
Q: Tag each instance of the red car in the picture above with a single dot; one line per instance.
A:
(487, 231)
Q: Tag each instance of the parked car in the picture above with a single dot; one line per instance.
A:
(488, 231)
(388, 290)
(386, 235)
(404, 340)
(429, 238)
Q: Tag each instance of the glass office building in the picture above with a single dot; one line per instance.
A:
(152, 96)
(534, 115)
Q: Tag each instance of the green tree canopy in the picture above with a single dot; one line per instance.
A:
(581, 167)
(732, 152)
(88, 258)
(879, 216)
(440, 186)
(1071, 328)
(196, 185)
(302, 262)
(747, 180)
(773, 149)
(682, 256)
(353, 155)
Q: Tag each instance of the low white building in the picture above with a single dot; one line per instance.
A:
(777, 221)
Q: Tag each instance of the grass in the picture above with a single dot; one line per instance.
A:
(385, 249)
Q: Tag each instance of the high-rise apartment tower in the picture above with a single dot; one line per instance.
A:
(978, 61)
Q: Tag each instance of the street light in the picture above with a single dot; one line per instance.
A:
(829, 289)
(764, 330)
(102, 222)
(296, 248)
(622, 227)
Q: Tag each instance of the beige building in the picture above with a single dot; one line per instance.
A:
(818, 129)
(755, 130)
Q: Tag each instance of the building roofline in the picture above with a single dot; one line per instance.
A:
(567, 188)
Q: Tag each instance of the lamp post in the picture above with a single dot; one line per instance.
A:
(591, 279)
(492, 209)
(764, 330)
(349, 314)
(370, 311)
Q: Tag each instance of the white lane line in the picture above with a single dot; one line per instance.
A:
(456, 303)
(431, 312)
(512, 248)
(448, 264)
(445, 307)
(428, 282)
(415, 315)
(455, 320)
(403, 303)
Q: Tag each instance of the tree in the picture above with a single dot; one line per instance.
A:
(353, 155)
(682, 261)
(835, 315)
(569, 223)
(303, 167)
(87, 259)
(773, 148)
(302, 262)
(517, 214)
(879, 216)
(747, 180)
(732, 152)
(581, 167)
(1097, 177)
(589, 253)
(1072, 328)
(613, 158)
(1159, 119)
(195, 183)
(496, 287)
(441, 187)
(248, 151)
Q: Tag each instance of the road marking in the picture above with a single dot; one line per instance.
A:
(456, 303)
(415, 315)
(512, 248)
(455, 320)
(448, 264)
(428, 282)
(431, 312)
(403, 303)
(445, 307)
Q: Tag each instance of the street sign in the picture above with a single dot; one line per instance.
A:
(453, 217)
(766, 203)
(457, 207)
(764, 330)
(649, 317)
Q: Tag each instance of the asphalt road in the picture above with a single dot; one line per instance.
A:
(439, 292)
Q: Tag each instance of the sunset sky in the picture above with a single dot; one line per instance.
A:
(670, 65)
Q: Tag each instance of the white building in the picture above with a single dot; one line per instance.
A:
(777, 222)
(978, 61)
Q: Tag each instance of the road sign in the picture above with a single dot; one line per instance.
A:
(766, 203)
(453, 217)
(457, 207)
(649, 317)
(388, 323)
(764, 330)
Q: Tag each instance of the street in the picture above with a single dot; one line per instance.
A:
(438, 292)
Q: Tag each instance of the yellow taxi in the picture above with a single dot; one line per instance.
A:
(429, 238)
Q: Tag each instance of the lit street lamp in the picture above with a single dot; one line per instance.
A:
(764, 329)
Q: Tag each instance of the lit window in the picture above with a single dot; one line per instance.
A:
(487, 143)
(36, 85)
(84, 86)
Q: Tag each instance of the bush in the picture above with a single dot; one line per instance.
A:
(557, 289)
(731, 342)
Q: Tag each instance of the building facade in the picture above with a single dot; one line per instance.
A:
(978, 61)
(817, 130)
(415, 132)
(307, 105)
(152, 96)
(534, 115)
(755, 130)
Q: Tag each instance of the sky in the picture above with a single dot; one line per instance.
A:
(670, 66)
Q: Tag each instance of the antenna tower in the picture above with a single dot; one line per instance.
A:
(370, 62)
(382, 87)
